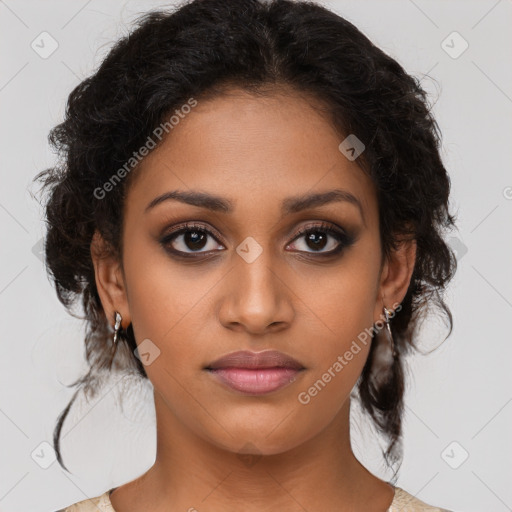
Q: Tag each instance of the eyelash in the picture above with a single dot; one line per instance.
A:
(345, 240)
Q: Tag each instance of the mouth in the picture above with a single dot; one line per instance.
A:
(255, 373)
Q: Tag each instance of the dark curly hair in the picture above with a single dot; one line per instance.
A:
(198, 49)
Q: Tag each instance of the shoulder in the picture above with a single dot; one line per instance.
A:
(405, 502)
(402, 502)
(97, 504)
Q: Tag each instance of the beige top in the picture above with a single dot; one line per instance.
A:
(402, 502)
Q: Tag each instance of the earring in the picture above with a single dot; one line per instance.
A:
(116, 327)
(387, 314)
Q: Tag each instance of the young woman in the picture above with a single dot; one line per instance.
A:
(250, 205)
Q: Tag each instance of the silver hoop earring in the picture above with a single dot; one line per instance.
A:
(387, 314)
(116, 327)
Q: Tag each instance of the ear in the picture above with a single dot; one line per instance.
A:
(109, 280)
(395, 277)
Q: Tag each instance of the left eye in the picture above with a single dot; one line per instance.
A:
(321, 239)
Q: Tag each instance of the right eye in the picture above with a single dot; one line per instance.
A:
(190, 236)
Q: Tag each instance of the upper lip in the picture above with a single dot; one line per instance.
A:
(256, 360)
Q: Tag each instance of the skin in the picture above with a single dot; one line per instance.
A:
(254, 151)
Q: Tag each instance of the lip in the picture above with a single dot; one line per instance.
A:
(256, 381)
(255, 360)
(255, 373)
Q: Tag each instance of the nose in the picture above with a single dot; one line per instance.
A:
(256, 298)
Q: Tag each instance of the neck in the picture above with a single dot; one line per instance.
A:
(190, 472)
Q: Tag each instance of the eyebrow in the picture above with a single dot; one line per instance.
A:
(290, 204)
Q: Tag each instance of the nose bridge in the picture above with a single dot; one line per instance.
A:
(256, 297)
(257, 275)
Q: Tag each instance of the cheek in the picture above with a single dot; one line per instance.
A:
(340, 301)
(339, 307)
(339, 360)
(151, 283)
(169, 304)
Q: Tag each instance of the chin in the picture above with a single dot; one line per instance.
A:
(253, 440)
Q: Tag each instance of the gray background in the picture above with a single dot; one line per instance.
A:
(459, 394)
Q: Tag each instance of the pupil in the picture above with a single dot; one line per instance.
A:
(311, 238)
(195, 238)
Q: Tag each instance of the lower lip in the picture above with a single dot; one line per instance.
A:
(256, 382)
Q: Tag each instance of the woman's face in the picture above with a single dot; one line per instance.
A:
(247, 281)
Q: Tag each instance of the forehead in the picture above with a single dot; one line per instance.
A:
(249, 148)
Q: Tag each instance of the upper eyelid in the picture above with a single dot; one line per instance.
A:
(320, 224)
(184, 227)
